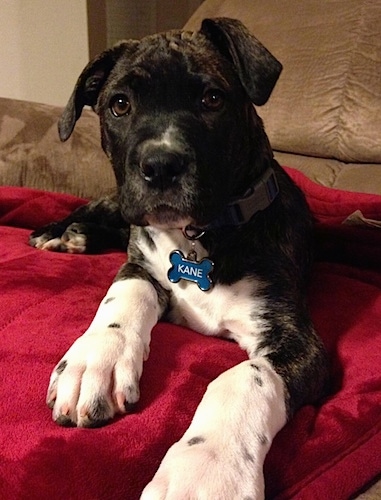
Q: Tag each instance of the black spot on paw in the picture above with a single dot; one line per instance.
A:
(256, 367)
(262, 439)
(98, 414)
(196, 440)
(75, 228)
(94, 424)
(114, 325)
(61, 366)
(132, 395)
(109, 299)
(248, 457)
(65, 421)
(258, 381)
(129, 407)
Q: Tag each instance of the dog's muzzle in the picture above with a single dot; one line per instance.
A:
(161, 168)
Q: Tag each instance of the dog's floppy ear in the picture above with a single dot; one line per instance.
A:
(257, 68)
(88, 86)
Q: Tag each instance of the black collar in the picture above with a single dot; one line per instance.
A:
(256, 199)
(241, 210)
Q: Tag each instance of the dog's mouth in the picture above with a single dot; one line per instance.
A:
(165, 217)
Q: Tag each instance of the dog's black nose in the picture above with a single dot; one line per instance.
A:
(162, 168)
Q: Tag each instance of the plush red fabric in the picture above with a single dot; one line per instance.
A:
(48, 299)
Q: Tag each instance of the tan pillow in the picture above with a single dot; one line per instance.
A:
(32, 155)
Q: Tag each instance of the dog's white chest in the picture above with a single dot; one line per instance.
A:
(230, 310)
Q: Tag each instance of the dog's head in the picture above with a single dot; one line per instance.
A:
(177, 120)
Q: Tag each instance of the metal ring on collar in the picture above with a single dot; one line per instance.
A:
(192, 233)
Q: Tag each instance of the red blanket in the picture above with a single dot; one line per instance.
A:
(48, 299)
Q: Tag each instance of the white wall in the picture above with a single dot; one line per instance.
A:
(43, 48)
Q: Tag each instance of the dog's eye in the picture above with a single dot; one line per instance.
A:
(213, 100)
(120, 105)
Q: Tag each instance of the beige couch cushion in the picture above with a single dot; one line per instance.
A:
(32, 155)
(327, 100)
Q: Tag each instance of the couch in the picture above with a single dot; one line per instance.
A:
(324, 123)
(323, 117)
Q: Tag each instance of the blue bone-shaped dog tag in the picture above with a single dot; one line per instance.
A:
(189, 270)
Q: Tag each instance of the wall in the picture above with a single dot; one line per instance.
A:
(44, 44)
(135, 19)
(43, 48)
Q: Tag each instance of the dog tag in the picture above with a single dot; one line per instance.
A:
(190, 270)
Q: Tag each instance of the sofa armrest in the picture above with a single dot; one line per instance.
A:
(32, 155)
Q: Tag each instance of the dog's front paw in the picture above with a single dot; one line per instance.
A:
(58, 239)
(201, 468)
(97, 378)
(75, 238)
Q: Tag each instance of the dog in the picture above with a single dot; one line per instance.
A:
(219, 240)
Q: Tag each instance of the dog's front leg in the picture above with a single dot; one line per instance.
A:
(99, 375)
(221, 455)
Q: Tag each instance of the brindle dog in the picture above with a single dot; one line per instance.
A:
(220, 242)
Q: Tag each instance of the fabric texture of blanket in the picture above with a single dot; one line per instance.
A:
(48, 299)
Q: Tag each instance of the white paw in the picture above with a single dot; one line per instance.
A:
(98, 377)
(73, 240)
(221, 455)
(44, 243)
(200, 469)
(100, 373)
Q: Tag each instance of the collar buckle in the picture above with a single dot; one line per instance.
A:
(257, 198)
(261, 195)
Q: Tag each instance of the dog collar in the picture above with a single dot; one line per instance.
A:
(239, 211)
